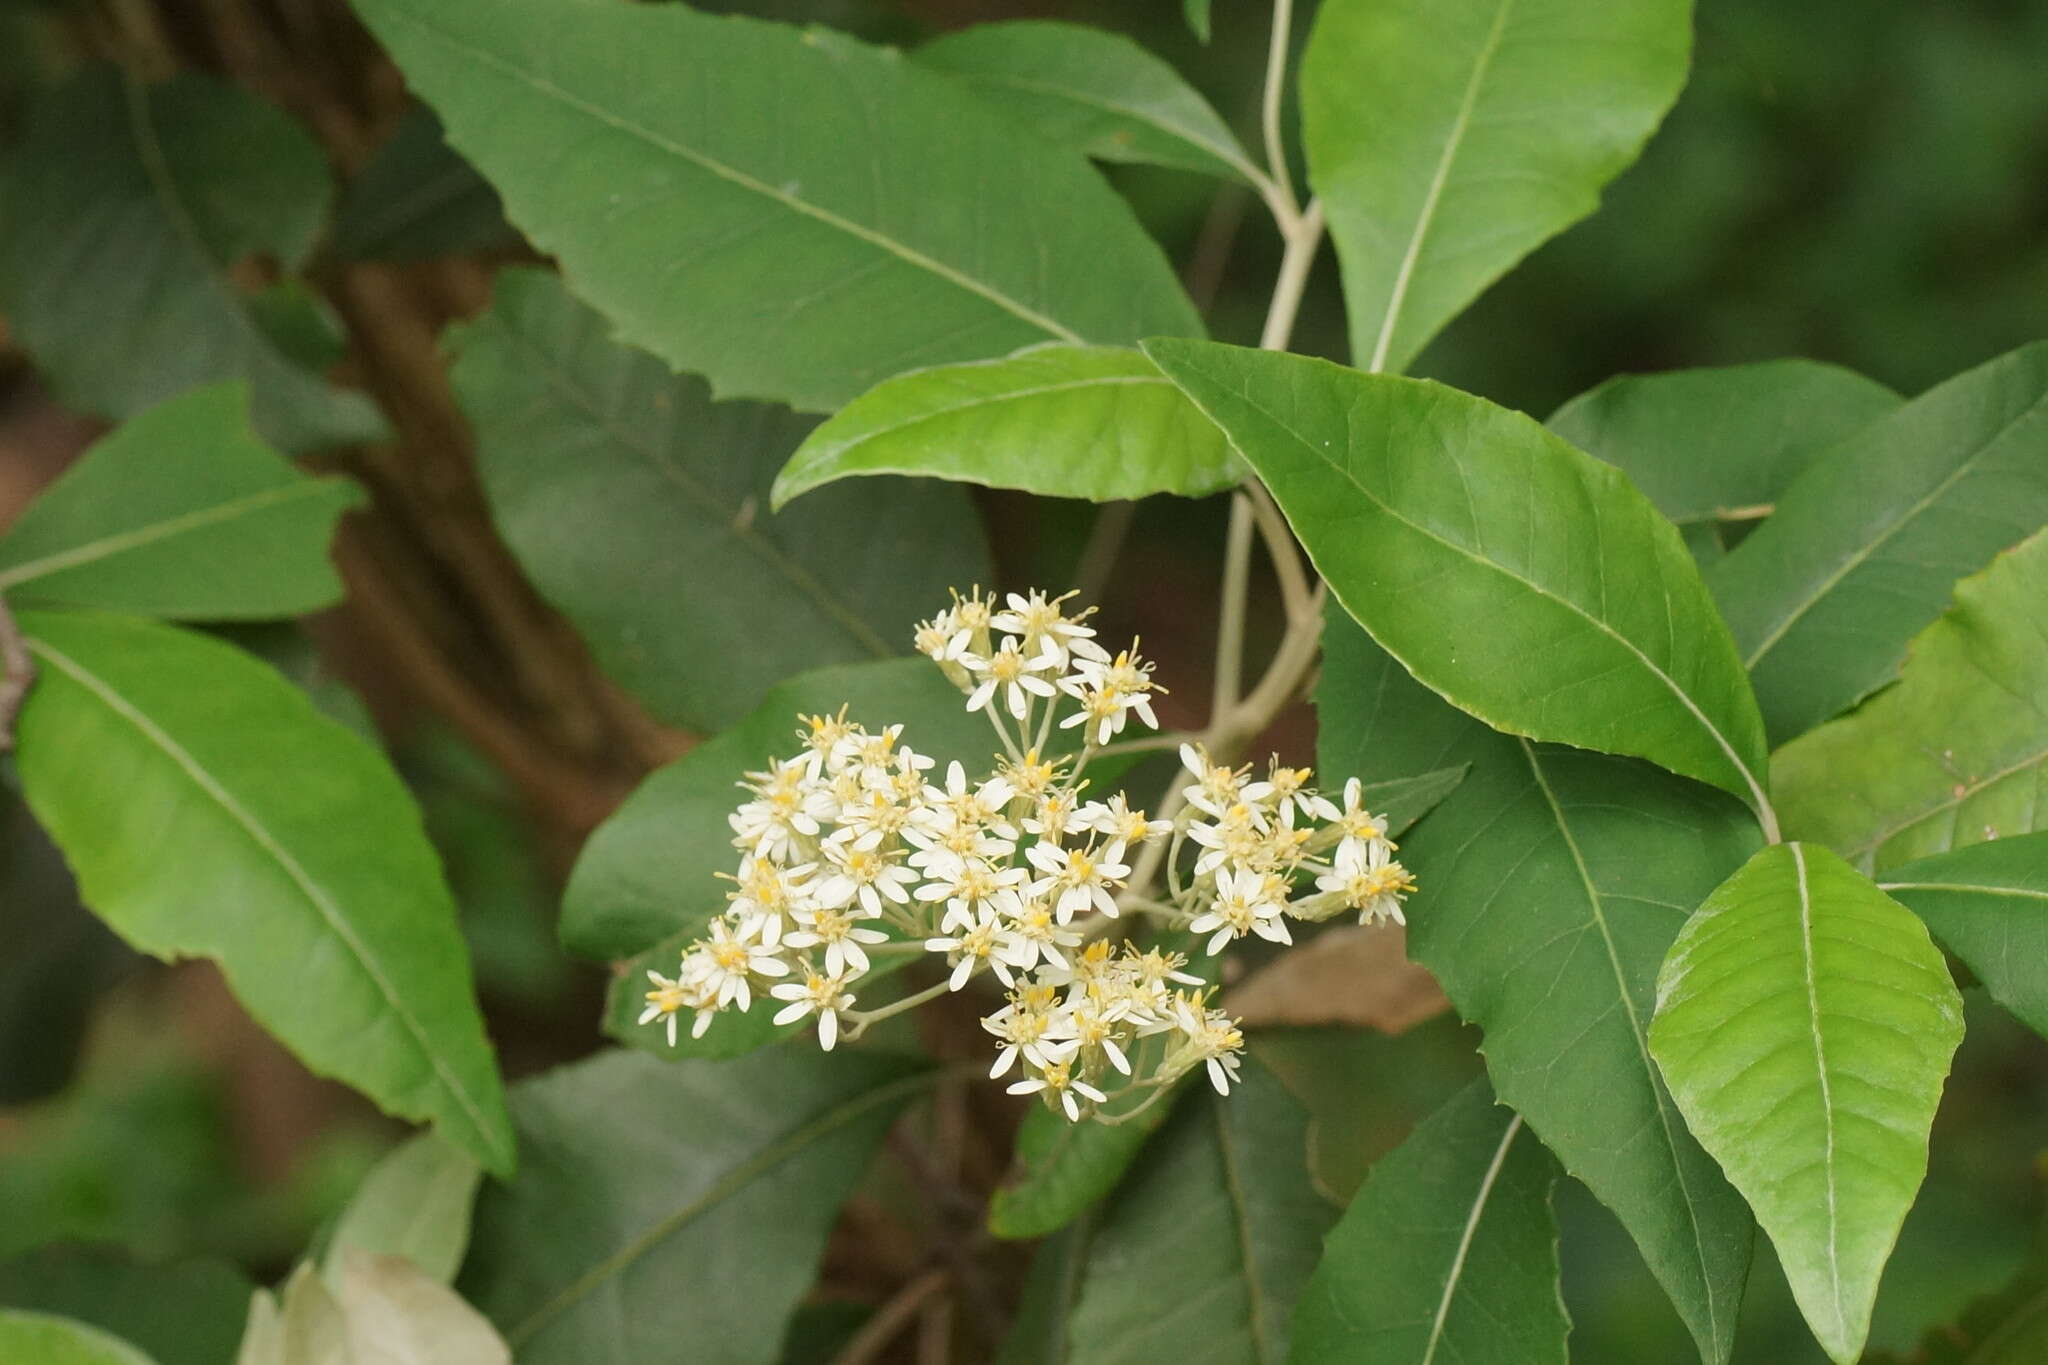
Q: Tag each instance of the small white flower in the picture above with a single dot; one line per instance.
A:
(1246, 903)
(1080, 877)
(824, 996)
(970, 947)
(840, 935)
(1115, 819)
(1047, 629)
(669, 998)
(1017, 676)
(1355, 821)
(1033, 935)
(862, 874)
(1368, 880)
(1059, 1082)
(967, 885)
(722, 964)
(767, 893)
(1025, 1029)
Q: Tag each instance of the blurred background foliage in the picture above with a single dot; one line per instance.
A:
(1859, 181)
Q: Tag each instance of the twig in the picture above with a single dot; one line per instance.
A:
(891, 1318)
(17, 674)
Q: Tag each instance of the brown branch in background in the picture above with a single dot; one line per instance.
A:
(17, 674)
(891, 1318)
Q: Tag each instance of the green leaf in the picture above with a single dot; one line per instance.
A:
(639, 508)
(256, 832)
(183, 1313)
(788, 212)
(1097, 92)
(1204, 1250)
(1063, 1168)
(1038, 1334)
(1450, 138)
(181, 512)
(1957, 752)
(1712, 444)
(1066, 421)
(126, 207)
(414, 1203)
(1531, 585)
(1805, 1023)
(417, 200)
(44, 1340)
(1449, 1252)
(1196, 12)
(1552, 882)
(1866, 544)
(2007, 1327)
(693, 1212)
(1988, 904)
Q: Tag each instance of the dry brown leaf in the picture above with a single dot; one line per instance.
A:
(1356, 976)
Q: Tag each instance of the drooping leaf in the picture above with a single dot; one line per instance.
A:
(1449, 138)
(1097, 92)
(1805, 1023)
(1530, 584)
(1988, 904)
(254, 831)
(1449, 1252)
(621, 1238)
(1957, 752)
(1866, 544)
(415, 1203)
(127, 206)
(788, 212)
(182, 512)
(1551, 884)
(418, 199)
(640, 508)
(1066, 421)
(46, 1340)
(1202, 1253)
(182, 1313)
(1712, 444)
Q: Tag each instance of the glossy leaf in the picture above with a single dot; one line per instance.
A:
(1449, 138)
(1712, 444)
(788, 212)
(1805, 1024)
(417, 199)
(47, 1340)
(1066, 421)
(181, 512)
(1552, 882)
(1957, 752)
(617, 1241)
(256, 832)
(1221, 1217)
(1097, 92)
(1526, 582)
(1988, 904)
(1866, 544)
(640, 509)
(415, 1203)
(179, 1313)
(1449, 1252)
(127, 206)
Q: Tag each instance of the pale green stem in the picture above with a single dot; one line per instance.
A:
(861, 1019)
(1269, 110)
(1237, 567)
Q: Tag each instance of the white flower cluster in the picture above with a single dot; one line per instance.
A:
(854, 851)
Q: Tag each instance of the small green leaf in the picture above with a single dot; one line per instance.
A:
(182, 512)
(1805, 1023)
(1988, 904)
(417, 199)
(1957, 752)
(178, 1313)
(1065, 421)
(639, 507)
(1063, 1168)
(39, 1339)
(1866, 544)
(414, 1203)
(1526, 582)
(1449, 1252)
(1196, 12)
(662, 1204)
(1097, 92)
(256, 832)
(790, 213)
(1450, 138)
(126, 207)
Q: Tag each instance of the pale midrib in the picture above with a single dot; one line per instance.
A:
(1457, 1271)
(1595, 906)
(727, 1185)
(1820, 1057)
(108, 546)
(561, 380)
(732, 175)
(1926, 813)
(1911, 514)
(1967, 888)
(1398, 296)
(1240, 1216)
(1224, 152)
(258, 834)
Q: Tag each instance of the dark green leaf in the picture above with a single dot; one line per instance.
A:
(640, 508)
(667, 1212)
(182, 512)
(1866, 544)
(1449, 1253)
(1988, 904)
(1066, 421)
(1449, 138)
(1805, 1023)
(1957, 752)
(414, 1203)
(2008, 1327)
(185, 1313)
(1099, 93)
(1526, 582)
(126, 207)
(1196, 13)
(256, 832)
(790, 213)
(45, 1340)
(1063, 1168)
(1551, 884)
(1038, 1336)
(417, 199)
